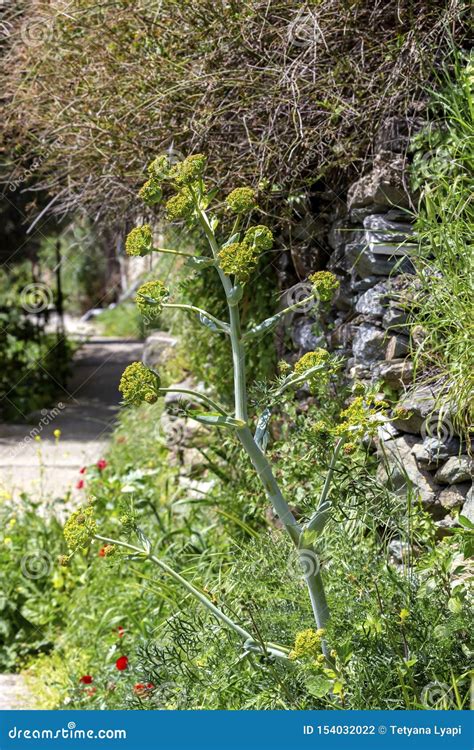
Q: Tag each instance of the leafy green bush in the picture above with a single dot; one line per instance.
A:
(33, 592)
(29, 359)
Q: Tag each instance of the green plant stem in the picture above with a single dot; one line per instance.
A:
(192, 308)
(200, 396)
(244, 634)
(271, 322)
(313, 580)
(172, 252)
(320, 517)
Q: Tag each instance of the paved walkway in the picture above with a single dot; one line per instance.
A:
(49, 469)
(14, 695)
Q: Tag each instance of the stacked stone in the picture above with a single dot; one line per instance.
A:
(372, 244)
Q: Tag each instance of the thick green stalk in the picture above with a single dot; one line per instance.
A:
(260, 462)
(192, 308)
(196, 395)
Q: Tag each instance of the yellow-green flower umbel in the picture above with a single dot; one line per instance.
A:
(180, 206)
(325, 284)
(259, 237)
(150, 192)
(80, 528)
(151, 297)
(138, 383)
(307, 643)
(311, 359)
(159, 168)
(241, 200)
(139, 241)
(239, 259)
(188, 171)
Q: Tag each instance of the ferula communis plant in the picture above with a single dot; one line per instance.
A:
(235, 260)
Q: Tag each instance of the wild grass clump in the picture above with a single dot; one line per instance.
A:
(443, 168)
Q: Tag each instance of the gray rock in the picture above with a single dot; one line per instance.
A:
(368, 344)
(156, 348)
(395, 318)
(433, 451)
(396, 373)
(384, 228)
(393, 136)
(367, 263)
(361, 285)
(468, 507)
(372, 301)
(397, 346)
(387, 432)
(382, 187)
(339, 234)
(303, 336)
(453, 497)
(400, 551)
(399, 469)
(419, 405)
(456, 469)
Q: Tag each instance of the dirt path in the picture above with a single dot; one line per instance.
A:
(49, 469)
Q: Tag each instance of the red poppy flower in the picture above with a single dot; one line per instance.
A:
(101, 552)
(141, 689)
(101, 464)
(83, 470)
(80, 484)
(120, 631)
(86, 679)
(122, 663)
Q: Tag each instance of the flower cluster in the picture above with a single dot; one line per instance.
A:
(108, 550)
(189, 170)
(241, 200)
(150, 192)
(139, 241)
(363, 416)
(240, 258)
(311, 359)
(159, 168)
(325, 284)
(138, 383)
(80, 528)
(151, 297)
(180, 206)
(307, 644)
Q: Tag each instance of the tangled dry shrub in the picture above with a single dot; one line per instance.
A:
(277, 91)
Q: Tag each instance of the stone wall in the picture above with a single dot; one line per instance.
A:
(371, 243)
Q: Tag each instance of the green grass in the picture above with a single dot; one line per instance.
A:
(443, 168)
